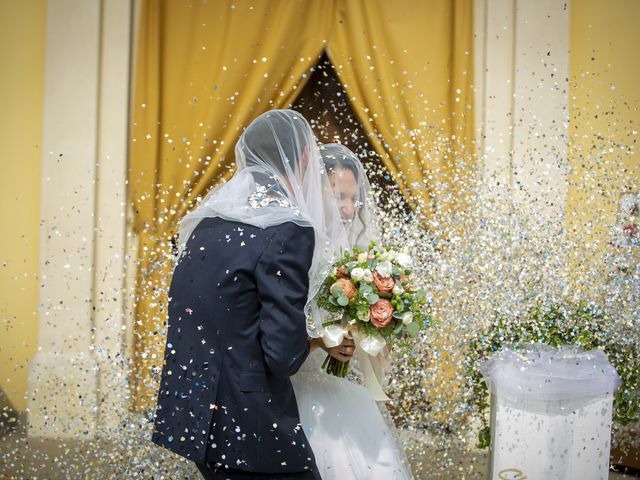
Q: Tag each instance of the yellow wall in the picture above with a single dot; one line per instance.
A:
(22, 40)
(605, 113)
(604, 100)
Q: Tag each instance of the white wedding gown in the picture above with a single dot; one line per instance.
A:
(345, 428)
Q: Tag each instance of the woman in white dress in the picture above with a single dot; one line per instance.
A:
(343, 423)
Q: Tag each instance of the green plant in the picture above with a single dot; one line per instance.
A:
(582, 325)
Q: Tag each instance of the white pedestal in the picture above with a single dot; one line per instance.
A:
(551, 413)
(553, 441)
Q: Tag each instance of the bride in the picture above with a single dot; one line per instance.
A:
(342, 421)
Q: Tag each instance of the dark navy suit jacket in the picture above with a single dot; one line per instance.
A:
(236, 332)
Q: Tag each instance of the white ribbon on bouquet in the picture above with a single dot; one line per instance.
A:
(371, 354)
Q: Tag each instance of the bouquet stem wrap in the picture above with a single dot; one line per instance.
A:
(370, 353)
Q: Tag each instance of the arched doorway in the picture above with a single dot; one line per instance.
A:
(324, 102)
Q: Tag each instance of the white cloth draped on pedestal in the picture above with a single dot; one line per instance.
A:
(551, 412)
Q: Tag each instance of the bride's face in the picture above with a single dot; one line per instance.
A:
(345, 190)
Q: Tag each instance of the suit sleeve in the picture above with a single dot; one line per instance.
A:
(282, 278)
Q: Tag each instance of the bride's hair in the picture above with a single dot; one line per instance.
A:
(332, 162)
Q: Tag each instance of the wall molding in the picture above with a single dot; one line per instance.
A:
(521, 52)
(77, 380)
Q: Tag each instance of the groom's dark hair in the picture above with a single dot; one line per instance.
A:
(276, 138)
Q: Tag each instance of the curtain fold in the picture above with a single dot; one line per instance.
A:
(407, 68)
(204, 70)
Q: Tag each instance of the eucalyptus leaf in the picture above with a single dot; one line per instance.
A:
(413, 328)
(343, 301)
(366, 288)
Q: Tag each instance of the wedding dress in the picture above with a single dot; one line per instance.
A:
(347, 431)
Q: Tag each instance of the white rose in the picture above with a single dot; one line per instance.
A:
(407, 318)
(362, 257)
(357, 273)
(384, 269)
(398, 290)
(404, 260)
(367, 276)
(391, 254)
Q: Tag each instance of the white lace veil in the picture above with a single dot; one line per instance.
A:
(280, 178)
(364, 227)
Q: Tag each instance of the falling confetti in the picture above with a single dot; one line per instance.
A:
(485, 267)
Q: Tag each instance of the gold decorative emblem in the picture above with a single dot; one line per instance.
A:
(511, 474)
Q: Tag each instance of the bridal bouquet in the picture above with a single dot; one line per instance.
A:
(372, 295)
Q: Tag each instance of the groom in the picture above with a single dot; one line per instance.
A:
(236, 333)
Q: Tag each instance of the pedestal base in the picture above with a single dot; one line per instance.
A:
(554, 441)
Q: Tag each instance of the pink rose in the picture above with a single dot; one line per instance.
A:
(384, 284)
(381, 313)
(346, 286)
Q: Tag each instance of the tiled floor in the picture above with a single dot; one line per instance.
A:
(133, 457)
(467, 464)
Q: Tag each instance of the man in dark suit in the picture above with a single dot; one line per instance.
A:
(237, 326)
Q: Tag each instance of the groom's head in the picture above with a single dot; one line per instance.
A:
(279, 139)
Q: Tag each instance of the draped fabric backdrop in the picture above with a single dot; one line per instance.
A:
(204, 70)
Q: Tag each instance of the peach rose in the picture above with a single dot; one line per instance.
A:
(346, 286)
(341, 272)
(381, 312)
(384, 284)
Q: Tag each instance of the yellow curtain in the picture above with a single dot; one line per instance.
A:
(204, 70)
(407, 68)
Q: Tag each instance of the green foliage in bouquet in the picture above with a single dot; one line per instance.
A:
(581, 325)
(407, 301)
(374, 291)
